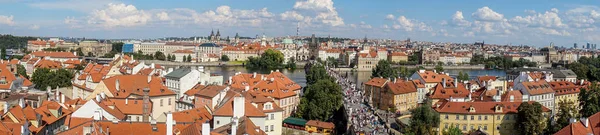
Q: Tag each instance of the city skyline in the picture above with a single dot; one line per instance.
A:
(536, 23)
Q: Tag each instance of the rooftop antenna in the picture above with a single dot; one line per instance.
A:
(298, 29)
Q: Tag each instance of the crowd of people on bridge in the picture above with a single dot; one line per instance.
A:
(362, 118)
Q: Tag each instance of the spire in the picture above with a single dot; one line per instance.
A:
(218, 32)
(212, 33)
(236, 35)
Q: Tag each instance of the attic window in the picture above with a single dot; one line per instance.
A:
(162, 90)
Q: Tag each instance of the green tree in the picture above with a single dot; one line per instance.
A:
(530, 119)
(184, 59)
(566, 111)
(189, 58)
(117, 47)
(14, 42)
(3, 53)
(41, 77)
(79, 52)
(384, 69)
(270, 59)
(291, 64)
(424, 120)
(316, 73)
(453, 130)
(332, 62)
(463, 76)
(589, 100)
(439, 68)
(580, 69)
(477, 59)
(405, 72)
(169, 57)
(21, 70)
(90, 54)
(224, 58)
(62, 77)
(159, 55)
(320, 100)
(79, 67)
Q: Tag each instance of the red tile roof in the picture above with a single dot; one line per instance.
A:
(54, 54)
(432, 77)
(316, 123)
(480, 107)
(564, 87)
(537, 87)
(134, 84)
(449, 91)
(579, 128)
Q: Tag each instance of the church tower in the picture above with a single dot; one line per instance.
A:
(218, 36)
(212, 35)
(237, 38)
(314, 48)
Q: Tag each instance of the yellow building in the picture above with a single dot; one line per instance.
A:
(366, 61)
(397, 57)
(315, 126)
(565, 91)
(495, 118)
(398, 93)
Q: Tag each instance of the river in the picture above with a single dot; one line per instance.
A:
(299, 76)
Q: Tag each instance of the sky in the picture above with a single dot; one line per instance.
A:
(514, 22)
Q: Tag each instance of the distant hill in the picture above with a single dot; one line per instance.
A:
(13, 42)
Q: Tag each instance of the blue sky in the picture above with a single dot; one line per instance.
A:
(530, 22)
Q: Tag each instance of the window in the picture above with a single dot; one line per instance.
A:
(272, 128)
(465, 117)
(169, 101)
(266, 128)
(161, 102)
(472, 117)
(457, 117)
(479, 117)
(272, 116)
(497, 117)
(472, 127)
(446, 116)
(465, 127)
(485, 127)
(129, 118)
(137, 118)
(485, 117)
(446, 126)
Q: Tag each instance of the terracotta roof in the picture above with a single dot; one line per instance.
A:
(449, 91)
(200, 114)
(316, 123)
(10, 128)
(401, 87)
(245, 127)
(486, 78)
(518, 96)
(26, 81)
(129, 106)
(194, 90)
(564, 87)
(371, 54)
(537, 87)
(280, 86)
(115, 112)
(7, 76)
(432, 77)
(377, 82)
(210, 91)
(578, 128)
(419, 84)
(480, 107)
(227, 109)
(48, 64)
(134, 84)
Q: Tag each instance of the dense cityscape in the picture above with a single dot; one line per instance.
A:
(241, 80)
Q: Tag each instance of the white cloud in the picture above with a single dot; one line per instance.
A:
(319, 11)
(409, 25)
(116, 15)
(163, 16)
(390, 17)
(224, 15)
(459, 20)
(549, 19)
(34, 27)
(291, 15)
(365, 25)
(502, 27)
(8, 20)
(487, 14)
(548, 31)
(530, 11)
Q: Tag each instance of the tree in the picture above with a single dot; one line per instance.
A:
(530, 119)
(169, 57)
(320, 100)
(224, 58)
(316, 73)
(384, 69)
(463, 76)
(332, 62)
(566, 111)
(79, 52)
(580, 69)
(62, 77)
(423, 121)
(184, 59)
(90, 54)
(21, 70)
(270, 59)
(14, 42)
(453, 130)
(159, 55)
(291, 64)
(405, 72)
(589, 100)
(79, 67)
(439, 68)
(117, 47)
(41, 77)
(189, 58)
(3, 53)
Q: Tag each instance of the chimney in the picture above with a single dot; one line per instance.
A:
(153, 124)
(126, 101)
(277, 70)
(149, 78)
(254, 75)
(98, 114)
(169, 123)
(62, 98)
(455, 82)
(581, 82)
(272, 79)
(230, 80)
(146, 105)
(512, 98)
(585, 122)
(246, 88)
(98, 98)
(444, 82)
(22, 102)
(234, 125)
(434, 71)
(5, 107)
(102, 95)
(205, 128)
(421, 71)
(152, 66)
(117, 85)
(572, 120)
(238, 106)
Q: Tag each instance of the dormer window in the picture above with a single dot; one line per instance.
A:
(471, 109)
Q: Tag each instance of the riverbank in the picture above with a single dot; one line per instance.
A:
(205, 64)
(459, 67)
